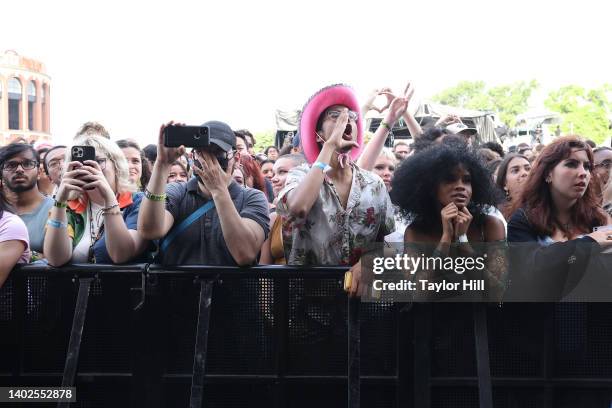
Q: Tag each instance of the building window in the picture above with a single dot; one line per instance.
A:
(43, 100)
(14, 100)
(31, 101)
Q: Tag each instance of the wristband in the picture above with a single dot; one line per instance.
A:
(462, 238)
(154, 197)
(385, 124)
(56, 224)
(324, 167)
(59, 205)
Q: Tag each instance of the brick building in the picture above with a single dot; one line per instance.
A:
(25, 100)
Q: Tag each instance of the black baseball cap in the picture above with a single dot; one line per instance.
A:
(221, 134)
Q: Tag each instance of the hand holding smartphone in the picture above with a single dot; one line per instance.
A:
(188, 136)
(83, 153)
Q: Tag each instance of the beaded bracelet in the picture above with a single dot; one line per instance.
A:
(107, 209)
(57, 224)
(117, 212)
(154, 197)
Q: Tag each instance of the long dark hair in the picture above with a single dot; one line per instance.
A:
(416, 194)
(537, 200)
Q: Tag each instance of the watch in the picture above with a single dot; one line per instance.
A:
(462, 238)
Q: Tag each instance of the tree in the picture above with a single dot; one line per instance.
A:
(462, 94)
(264, 139)
(507, 100)
(584, 112)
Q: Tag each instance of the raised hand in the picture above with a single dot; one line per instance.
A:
(409, 91)
(168, 155)
(211, 174)
(448, 119)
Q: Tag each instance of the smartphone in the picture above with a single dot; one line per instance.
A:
(188, 136)
(82, 153)
(603, 228)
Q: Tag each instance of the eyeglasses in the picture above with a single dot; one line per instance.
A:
(54, 164)
(26, 165)
(606, 164)
(335, 114)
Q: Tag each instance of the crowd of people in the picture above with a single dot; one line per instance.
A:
(325, 199)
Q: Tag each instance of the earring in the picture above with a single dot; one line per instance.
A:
(548, 180)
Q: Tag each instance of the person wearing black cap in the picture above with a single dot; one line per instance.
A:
(230, 222)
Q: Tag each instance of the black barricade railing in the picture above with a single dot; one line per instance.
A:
(151, 336)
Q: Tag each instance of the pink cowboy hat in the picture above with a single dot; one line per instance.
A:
(338, 94)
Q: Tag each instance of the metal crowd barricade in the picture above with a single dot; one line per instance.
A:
(151, 336)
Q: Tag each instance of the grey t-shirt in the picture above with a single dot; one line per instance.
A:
(36, 222)
(202, 242)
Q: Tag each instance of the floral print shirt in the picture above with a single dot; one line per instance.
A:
(330, 234)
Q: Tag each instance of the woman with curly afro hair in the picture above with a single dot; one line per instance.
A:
(448, 197)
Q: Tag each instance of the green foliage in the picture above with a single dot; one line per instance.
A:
(264, 139)
(507, 100)
(462, 94)
(584, 112)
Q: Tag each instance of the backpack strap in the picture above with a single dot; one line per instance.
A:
(174, 232)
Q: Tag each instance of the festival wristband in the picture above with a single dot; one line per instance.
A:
(57, 224)
(324, 167)
(385, 124)
(59, 205)
(462, 238)
(154, 197)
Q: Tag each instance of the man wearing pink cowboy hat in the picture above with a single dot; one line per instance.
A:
(333, 210)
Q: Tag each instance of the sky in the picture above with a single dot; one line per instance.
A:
(135, 65)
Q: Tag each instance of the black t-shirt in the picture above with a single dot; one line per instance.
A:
(202, 243)
(542, 269)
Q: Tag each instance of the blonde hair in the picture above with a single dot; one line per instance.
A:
(387, 153)
(92, 129)
(112, 152)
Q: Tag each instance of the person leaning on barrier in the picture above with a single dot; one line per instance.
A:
(19, 165)
(14, 240)
(554, 221)
(233, 221)
(335, 210)
(93, 219)
(450, 212)
(272, 251)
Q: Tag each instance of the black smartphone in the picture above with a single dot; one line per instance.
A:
(82, 153)
(188, 136)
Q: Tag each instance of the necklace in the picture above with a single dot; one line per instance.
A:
(92, 231)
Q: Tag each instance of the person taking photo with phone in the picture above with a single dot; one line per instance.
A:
(95, 213)
(210, 220)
